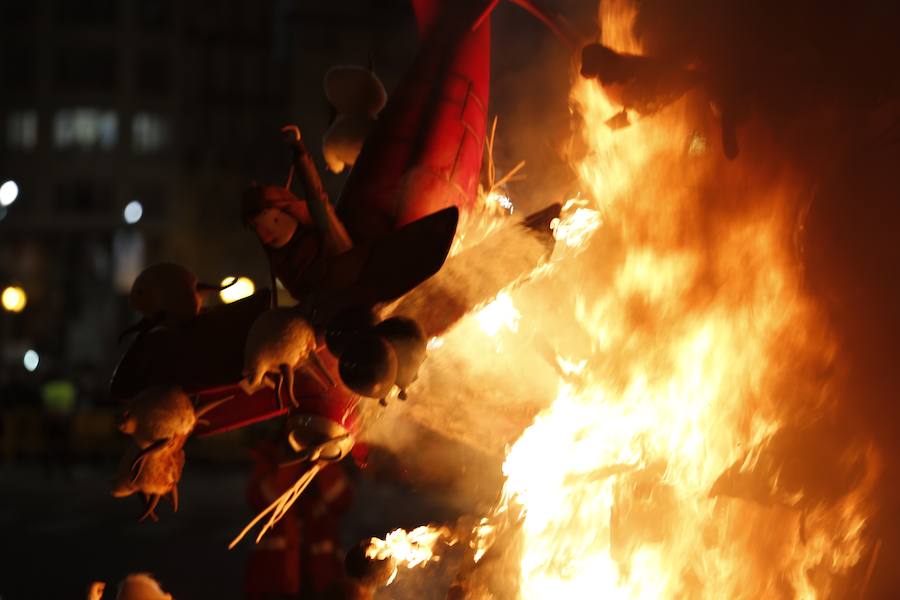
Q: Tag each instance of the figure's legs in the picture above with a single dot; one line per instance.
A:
(287, 376)
(150, 502)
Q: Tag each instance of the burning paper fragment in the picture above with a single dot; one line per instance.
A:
(483, 536)
(577, 223)
(409, 548)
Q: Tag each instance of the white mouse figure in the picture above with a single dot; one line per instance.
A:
(279, 342)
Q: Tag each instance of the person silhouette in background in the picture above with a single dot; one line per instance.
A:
(301, 557)
(58, 398)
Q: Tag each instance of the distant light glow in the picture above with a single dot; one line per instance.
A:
(9, 191)
(133, 212)
(85, 128)
(241, 288)
(14, 299)
(150, 132)
(31, 360)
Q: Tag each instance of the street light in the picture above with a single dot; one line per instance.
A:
(9, 191)
(14, 299)
(133, 212)
(31, 360)
(241, 288)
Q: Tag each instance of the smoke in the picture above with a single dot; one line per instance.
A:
(474, 276)
(485, 377)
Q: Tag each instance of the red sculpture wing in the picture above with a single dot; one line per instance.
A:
(403, 259)
(240, 410)
(207, 353)
(425, 152)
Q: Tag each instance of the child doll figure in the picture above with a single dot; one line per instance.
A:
(306, 244)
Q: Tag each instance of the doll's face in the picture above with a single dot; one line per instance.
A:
(274, 227)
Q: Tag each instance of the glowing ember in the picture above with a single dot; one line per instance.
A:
(409, 548)
(502, 201)
(483, 537)
(577, 224)
(569, 367)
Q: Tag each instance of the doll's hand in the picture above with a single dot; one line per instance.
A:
(292, 133)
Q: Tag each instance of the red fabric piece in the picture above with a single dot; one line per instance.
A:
(302, 552)
(273, 565)
(321, 509)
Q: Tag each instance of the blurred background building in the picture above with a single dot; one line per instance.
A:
(129, 129)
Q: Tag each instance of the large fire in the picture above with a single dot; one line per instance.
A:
(675, 460)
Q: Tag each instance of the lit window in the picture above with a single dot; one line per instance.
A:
(21, 129)
(149, 132)
(85, 128)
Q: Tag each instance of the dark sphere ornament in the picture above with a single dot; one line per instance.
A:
(368, 366)
(408, 341)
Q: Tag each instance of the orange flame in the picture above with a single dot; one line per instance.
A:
(616, 477)
(409, 548)
(679, 457)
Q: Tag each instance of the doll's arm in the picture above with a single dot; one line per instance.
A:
(320, 208)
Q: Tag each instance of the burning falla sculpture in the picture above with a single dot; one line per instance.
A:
(398, 214)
